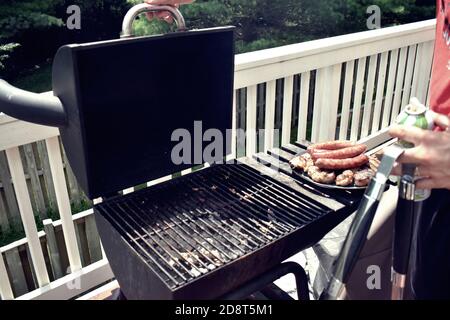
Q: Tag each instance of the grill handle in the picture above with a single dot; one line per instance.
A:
(127, 25)
(31, 107)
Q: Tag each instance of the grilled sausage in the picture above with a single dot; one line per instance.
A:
(339, 164)
(344, 153)
(331, 145)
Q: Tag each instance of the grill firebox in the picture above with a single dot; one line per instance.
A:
(204, 234)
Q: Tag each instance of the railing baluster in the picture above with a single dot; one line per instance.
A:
(399, 84)
(326, 99)
(52, 248)
(428, 60)
(8, 189)
(4, 222)
(93, 239)
(6, 292)
(36, 189)
(287, 110)
(50, 188)
(408, 75)
(359, 87)
(233, 154)
(368, 100)
(74, 190)
(428, 100)
(251, 121)
(26, 213)
(317, 109)
(62, 198)
(390, 88)
(16, 270)
(380, 92)
(80, 241)
(346, 99)
(303, 106)
(422, 70)
(270, 115)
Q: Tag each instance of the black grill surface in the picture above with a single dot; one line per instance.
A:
(192, 226)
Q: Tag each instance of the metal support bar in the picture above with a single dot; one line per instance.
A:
(269, 277)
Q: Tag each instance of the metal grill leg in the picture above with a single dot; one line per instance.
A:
(269, 277)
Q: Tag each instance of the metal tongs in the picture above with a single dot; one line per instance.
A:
(403, 231)
(361, 225)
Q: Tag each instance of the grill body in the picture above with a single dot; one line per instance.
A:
(202, 235)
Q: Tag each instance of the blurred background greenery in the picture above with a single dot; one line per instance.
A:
(32, 30)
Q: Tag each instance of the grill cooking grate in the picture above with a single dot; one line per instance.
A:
(197, 223)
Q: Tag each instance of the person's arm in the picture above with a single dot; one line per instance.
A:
(431, 153)
(165, 15)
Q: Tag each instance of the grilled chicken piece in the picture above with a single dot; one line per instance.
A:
(363, 177)
(297, 163)
(302, 162)
(374, 163)
(345, 179)
(326, 177)
(309, 163)
(312, 170)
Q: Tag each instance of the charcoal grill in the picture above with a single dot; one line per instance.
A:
(205, 234)
(200, 236)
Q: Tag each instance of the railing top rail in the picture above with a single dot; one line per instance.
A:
(260, 66)
(279, 54)
(5, 119)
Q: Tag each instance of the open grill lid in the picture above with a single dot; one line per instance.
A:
(118, 102)
(125, 98)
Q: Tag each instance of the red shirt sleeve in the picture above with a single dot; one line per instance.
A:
(440, 77)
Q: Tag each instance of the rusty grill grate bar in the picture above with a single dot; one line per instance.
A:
(192, 225)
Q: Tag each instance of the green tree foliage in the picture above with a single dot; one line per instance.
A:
(100, 19)
(269, 23)
(393, 12)
(38, 25)
(17, 17)
(5, 50)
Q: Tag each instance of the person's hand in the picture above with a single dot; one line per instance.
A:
(431, 153)
(166, 16)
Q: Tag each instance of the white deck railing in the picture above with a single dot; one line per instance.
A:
(346, 87)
